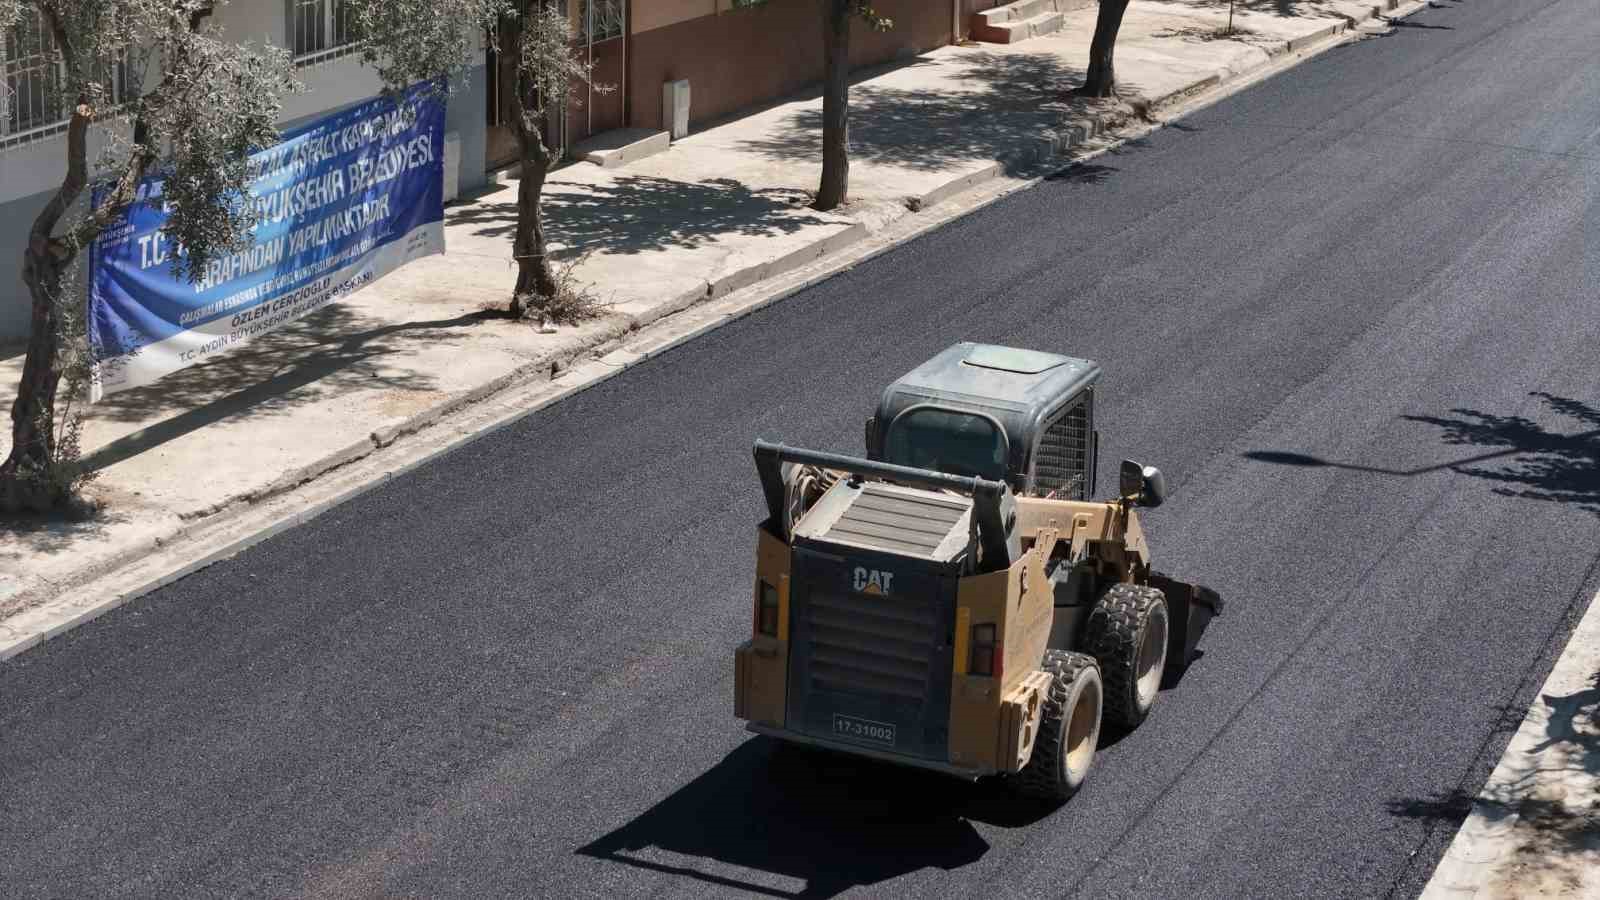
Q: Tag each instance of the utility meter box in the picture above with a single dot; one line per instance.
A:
(675, 108)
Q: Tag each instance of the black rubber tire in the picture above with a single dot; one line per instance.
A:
(1055, 772)
(1125, 616)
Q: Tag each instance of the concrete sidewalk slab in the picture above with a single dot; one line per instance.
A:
(715, 212)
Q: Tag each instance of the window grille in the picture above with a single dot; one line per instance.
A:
(33, 78)
(319, 30)
(601, 20)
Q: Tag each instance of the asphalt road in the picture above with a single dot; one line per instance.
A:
(1351, 314)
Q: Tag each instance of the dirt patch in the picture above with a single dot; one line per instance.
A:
(1200, 34)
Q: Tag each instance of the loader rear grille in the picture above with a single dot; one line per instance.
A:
(871, 645)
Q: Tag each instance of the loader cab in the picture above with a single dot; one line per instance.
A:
(1002, 413)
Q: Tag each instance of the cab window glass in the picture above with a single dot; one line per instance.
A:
(955, 443)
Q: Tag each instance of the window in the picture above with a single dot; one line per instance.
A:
(32, 96)
(601, 20)
(319, 30)
(944, 440)
(32, 104)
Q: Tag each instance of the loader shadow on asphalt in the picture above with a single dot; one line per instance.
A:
(1527, 460)
(831, 821)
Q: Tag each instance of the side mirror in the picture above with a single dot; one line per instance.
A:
(871, 437)
(1143, 484)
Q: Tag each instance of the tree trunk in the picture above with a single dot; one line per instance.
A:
(835, 105)
(24, 476)
(536, 282)
(1101, 80)
(22, 481)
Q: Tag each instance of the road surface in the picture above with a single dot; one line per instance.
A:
(1351, 313)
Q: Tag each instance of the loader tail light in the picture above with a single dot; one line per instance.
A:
(984, 658)
(767, 610)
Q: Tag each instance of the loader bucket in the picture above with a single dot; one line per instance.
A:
(1190, 608)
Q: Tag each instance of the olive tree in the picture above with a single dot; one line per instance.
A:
(190, 106)
(837, 16)
(434, 40)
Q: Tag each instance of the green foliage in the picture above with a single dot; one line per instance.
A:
(865, 12)
(213, 102)
(547, 63)
(206, 167)
(410, 41)
(193, 108)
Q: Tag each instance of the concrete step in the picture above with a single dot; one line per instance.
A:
(1018, 30)
(1011, 12)
(622, 146)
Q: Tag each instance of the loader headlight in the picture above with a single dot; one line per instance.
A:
(767, 609)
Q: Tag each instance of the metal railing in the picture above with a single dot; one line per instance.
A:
(318, 30)
(33, 104)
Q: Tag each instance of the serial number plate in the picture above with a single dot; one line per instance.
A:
(863, 730)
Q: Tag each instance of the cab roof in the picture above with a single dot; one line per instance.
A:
(1020, 389)
(987, 376)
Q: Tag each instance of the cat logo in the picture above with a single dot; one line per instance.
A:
(872, 581)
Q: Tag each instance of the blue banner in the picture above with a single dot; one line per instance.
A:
(338, 203)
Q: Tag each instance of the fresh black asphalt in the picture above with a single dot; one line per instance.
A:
(1351, 314)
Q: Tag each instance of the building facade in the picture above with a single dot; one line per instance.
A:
(32, 132)
(733, 53)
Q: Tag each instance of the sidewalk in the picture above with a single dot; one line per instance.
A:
(720, 210)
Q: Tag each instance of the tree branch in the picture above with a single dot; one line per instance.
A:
(44, 224)
(143, 154)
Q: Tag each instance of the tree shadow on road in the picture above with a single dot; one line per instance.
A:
(828, 822)
(1551, 841)
(1523, 458)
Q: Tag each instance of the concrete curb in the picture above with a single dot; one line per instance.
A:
(590, 361)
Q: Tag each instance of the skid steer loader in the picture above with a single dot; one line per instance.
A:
(955, 601)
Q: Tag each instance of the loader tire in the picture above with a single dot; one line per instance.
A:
(1069, 729)
(1127, 634)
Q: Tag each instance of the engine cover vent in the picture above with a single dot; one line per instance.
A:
(877, 516)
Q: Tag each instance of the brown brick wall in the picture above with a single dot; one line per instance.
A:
(744, 57)
(603, 109)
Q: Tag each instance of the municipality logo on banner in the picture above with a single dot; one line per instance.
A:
(339, 203)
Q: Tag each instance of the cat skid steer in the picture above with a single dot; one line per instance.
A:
(955, 601)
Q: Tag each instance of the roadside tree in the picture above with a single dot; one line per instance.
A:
(163, 92)
(1101, 79)
(411, 41)
(837, 16)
